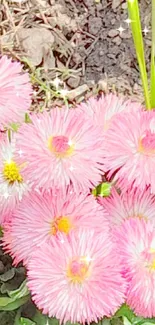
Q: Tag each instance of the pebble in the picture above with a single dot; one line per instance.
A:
(115, 4)
(113, 33)
(124, 5)
(117, 40)
(95, 24)
(73, 82)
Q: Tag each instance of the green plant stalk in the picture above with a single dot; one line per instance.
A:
(134, 16)
(152, 84)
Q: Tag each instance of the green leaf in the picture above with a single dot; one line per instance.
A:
(7, 275)
(20, 292)
(103, 189)
(146, 321)
(11, 304)
(126, 321)
(15, 298)
(27, 118)
(41, 319)
(14, 126)
(26, 321)
(127, 312)
(1, 231)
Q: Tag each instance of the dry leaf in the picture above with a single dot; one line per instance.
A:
(36, 42)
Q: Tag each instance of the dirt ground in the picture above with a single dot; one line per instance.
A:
(77, 41)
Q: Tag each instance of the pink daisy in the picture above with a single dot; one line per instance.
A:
(133, 203)
(104, 109)
(78, 281)
(51, 216)
(13, 184)
(129, 148)
(136, 246)
(15, 92)
(62, 147)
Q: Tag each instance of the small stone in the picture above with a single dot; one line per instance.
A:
(113, 33)
(115, 4)
(111, 56)
(124, 5)
(126, 35)
(117, 40)
(95, 24)
(148, 42)
(135, 87)
(73, 82)
(113, 21)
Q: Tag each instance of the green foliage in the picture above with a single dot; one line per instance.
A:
(103, 189)
(153, 57)
(134, 16)
(15, 298)
(25, 321)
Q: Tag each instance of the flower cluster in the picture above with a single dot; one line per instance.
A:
(85, 256)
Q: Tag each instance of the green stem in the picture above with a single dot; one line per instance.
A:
(152, 86)
(134, 16)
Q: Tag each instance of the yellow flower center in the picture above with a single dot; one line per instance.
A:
(139, 216)
(11, 172)
(152, 266)
(79, 269)
(61, 224)
(61, 146)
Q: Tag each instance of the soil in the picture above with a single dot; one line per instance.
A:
(81, 44)
(78, 35)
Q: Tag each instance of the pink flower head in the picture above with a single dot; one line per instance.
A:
(131, 204)
(79, 280)
(15, 92)
(106, 108)
(13, 184)
(129, 148)
(51, 216)
(136, 246)
(62, 147)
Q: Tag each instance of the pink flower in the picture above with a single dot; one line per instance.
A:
(13, 184)
(51, 216)
(129, 148)
(106, 108)
(15, 92)
(78, 281)
(136, 246)
(131, 204)
(62, 147)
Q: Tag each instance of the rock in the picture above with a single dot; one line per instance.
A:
(73, 82)
(124, 5)
(117, 40)
(115, 4)
(95, 24)
(113, 33)
(113, 21)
